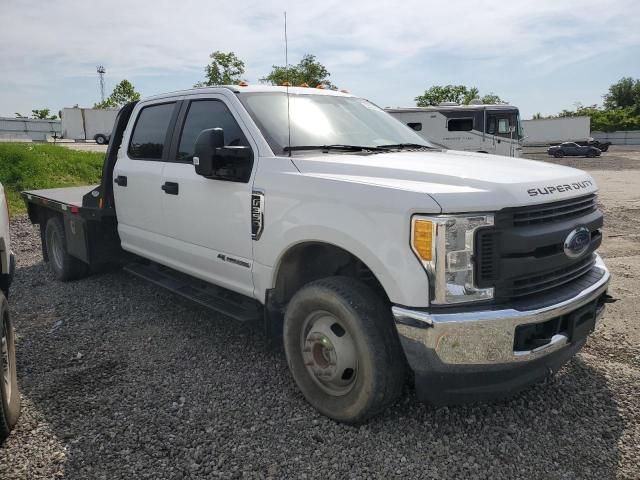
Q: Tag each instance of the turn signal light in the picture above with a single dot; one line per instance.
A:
(320, 86)
(243, 84)
(285, 84)
(304, 84)
(423, 239)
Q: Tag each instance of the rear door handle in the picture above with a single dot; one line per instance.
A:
(170, 188)
(121, 180)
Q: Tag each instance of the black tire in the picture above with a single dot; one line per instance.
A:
(64, 266)
(364, 319)
(591, 154)
(558, 154)
(9, 393)
(604, 148)
(101, 139)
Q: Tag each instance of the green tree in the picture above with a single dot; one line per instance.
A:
(460, 94)
(624, 93)
(224, 69)
(123, 93)
(43, 114)
(308, 71)
(491, 99)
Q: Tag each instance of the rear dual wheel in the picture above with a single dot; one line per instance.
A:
(65, 267)
(342, 349)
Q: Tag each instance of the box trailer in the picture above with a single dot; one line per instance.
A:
(547, 131)
(88, 124)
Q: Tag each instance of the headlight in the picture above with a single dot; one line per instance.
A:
(445, 245)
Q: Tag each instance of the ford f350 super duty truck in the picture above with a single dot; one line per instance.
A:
(367, 249)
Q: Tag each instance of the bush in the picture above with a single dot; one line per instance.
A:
(34, 166)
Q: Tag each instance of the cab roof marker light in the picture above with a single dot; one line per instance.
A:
(242, 83)
(304, 85)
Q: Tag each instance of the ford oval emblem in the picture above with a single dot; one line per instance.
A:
(577, 242)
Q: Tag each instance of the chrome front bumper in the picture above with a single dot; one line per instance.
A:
(483, 337)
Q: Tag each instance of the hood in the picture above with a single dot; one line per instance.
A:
(457, 181)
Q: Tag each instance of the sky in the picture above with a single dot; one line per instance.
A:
(542, 56)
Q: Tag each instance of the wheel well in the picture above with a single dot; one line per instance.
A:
(311, 261)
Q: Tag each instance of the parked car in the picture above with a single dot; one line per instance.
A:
(571, 149)
(9, 394)
(325, 220)
(602, 146)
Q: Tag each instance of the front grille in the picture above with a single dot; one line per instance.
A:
(554, 212)
(522, 255)
(537, 283)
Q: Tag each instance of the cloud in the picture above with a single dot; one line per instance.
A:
(44, 44)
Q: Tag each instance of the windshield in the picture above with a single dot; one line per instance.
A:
(325, 120)
(504, 123)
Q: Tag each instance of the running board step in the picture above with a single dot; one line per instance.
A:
(216, 298)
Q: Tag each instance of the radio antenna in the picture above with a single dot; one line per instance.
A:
(286, 61)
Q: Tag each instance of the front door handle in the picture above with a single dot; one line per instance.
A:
(170, 188)
(121, 180)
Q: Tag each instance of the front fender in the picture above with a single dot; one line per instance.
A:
(376, 236)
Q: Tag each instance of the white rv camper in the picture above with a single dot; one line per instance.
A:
(476, 128)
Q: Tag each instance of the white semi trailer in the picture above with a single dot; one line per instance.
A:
(88, 124)
(548, 131)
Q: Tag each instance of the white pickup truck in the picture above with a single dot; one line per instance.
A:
(367, 249)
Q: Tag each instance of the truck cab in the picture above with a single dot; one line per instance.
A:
(367, 249)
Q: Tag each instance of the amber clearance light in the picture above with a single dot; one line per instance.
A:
(423, 239)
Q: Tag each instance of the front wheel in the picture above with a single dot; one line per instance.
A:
(342, 349)
(101, 139)
(559, 154)
(591, 154)
(9, 394)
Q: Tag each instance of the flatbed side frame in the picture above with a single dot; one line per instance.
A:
(91, 233)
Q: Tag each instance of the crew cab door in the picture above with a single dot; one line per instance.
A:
(137, 177)
(208, 220)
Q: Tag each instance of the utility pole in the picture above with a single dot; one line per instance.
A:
(101, 71)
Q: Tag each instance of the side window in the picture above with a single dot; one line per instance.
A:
(150, 131)
(503, 125)
(204, 114)
(460, 124)
(416, 126)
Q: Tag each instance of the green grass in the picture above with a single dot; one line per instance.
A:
(25, 166)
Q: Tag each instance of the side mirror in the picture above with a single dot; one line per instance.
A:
(213, 160)
(204, 152)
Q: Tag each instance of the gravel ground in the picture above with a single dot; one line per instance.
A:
(122, 380)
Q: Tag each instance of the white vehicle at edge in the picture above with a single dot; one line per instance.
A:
(367, 248)
(9, 394)
(474, 128)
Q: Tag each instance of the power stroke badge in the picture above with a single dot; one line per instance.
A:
(257, 214)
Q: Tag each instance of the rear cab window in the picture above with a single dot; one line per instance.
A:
(150, 132)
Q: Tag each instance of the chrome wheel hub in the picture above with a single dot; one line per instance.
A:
(329, 353)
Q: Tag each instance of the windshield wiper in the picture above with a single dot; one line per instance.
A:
(346, 148)
(402, 146)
